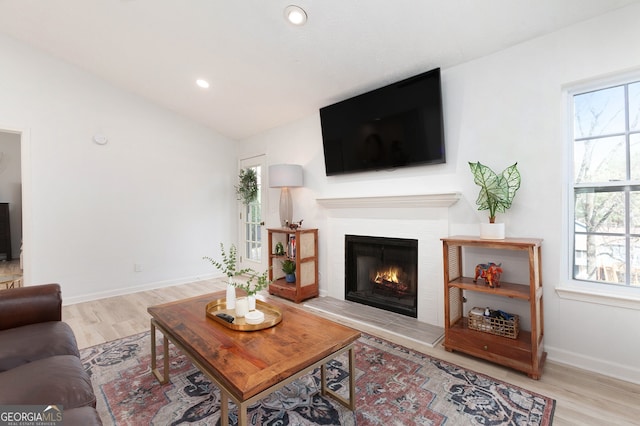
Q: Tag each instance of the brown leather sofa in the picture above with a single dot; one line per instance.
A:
(39, 359)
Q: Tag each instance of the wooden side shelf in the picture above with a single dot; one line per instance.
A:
(526, 352)
(516, 291)
(305, 256)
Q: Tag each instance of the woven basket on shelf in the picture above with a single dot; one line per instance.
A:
(497, 326)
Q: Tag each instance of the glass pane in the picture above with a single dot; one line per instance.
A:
(635, 262)
(634, 214)
(599, 212)
(634, 106)
(634, 141)
(599, 113)
(599, 258)
(253, 229)
(600, 160)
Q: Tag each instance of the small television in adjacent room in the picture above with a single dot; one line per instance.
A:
(398, 125)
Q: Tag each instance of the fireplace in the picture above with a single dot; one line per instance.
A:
(382, 272)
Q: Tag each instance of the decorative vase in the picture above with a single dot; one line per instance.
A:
(492, 231)
(242, 307)
(290, 278)
(231, 295)
(252, 302)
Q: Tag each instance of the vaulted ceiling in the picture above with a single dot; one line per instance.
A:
(264, 71)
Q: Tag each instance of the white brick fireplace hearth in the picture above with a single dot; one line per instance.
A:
(421, 217)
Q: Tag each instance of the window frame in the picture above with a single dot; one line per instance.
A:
(568, 287)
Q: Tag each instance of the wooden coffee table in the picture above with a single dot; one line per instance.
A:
(248, 365)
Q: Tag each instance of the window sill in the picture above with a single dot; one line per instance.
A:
(631, 300)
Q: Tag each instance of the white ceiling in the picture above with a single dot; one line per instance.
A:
(265, 72)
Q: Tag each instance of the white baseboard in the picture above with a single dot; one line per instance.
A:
(135, 289)
(596, 365)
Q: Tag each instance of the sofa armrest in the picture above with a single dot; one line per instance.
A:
(30, 305)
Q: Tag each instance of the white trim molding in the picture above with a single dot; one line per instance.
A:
(599, 297)
(394, 201)
(618, 371)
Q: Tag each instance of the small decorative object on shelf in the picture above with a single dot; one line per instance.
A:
(294, 226)
(279, 251)
(291, 247)
(490, 272)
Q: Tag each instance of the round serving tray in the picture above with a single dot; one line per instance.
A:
(272, 315)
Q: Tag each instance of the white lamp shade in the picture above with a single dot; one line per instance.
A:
(285, 175)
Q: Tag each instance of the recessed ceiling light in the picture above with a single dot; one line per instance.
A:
(202, 83)
(295, 14)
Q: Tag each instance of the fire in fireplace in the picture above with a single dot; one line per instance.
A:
(382, 272)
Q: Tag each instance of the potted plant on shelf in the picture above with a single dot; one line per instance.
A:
(289, 269)
(496, 195)
(247, 190)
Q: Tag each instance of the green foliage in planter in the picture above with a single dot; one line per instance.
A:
(288, 266)
(247, 190)
(496, 191)
(229, 267)
(262, 282)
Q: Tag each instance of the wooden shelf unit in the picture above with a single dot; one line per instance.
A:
(526, 352)
(305, 257)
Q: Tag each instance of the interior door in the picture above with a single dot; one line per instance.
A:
(252, 249)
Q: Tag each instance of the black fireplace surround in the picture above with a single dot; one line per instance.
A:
(382, 272)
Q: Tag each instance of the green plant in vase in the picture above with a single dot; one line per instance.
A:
(229, 267)
(496, 191)
(289, 269)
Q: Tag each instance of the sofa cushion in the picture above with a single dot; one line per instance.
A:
(30, 305)
(30, 343)
(83, 416)
(57, 380)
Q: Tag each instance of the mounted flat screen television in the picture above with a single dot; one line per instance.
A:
(399, 125)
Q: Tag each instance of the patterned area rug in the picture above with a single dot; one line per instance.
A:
(394, 386)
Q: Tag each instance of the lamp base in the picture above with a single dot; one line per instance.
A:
(286, 207)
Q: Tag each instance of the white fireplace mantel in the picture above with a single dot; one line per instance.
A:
(392, 201)
(424, 217)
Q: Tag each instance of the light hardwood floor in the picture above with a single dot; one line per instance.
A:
(583, 398)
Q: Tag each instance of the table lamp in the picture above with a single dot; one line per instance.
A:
(285, 176)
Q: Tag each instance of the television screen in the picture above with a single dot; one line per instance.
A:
(398, 125)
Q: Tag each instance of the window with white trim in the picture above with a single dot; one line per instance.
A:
(606, 185)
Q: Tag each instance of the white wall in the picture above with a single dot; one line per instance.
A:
(159, 194)
(500, 109)
(11, 186)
